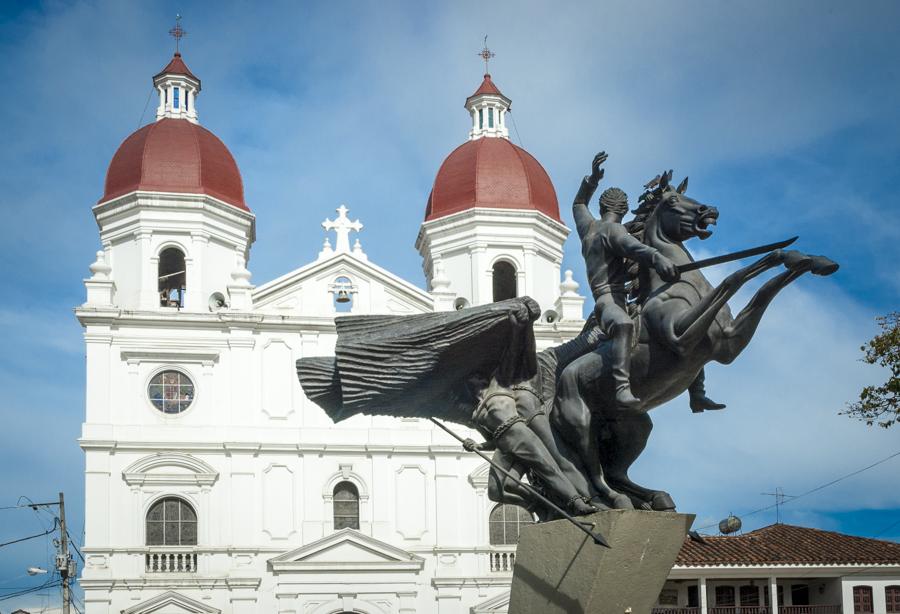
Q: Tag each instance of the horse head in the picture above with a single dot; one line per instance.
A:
(672, 216)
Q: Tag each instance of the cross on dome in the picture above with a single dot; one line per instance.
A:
(176, 84)
(488, 106)
(486, 55)
(178, 32)
(342, 226)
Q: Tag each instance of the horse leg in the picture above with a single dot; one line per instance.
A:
(572, 419)
(627, 439)
(735, 337)
(540, 424)
(690, 326)
(503, 489)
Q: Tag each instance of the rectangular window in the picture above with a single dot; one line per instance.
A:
(892, 599)
(187, 100)
(490, 118)
(480, 119)
(725, 595)
(174, 97)
(749, 595)
(862, 600)
(800, 594)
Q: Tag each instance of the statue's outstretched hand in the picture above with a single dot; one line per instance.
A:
(666, 268)
(596, 171)
(470, 445)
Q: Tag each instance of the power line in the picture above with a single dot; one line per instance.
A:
(74, 545)
(22, 539)
(812, 490)
(48, 584)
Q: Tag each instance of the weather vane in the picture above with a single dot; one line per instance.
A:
(178, 32)
(486, 55)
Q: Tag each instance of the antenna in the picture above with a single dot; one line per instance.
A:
(780, 499)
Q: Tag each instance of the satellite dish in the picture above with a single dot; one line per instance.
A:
(732, 524)
(217, 302)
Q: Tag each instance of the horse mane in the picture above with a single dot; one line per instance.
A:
(647, 203)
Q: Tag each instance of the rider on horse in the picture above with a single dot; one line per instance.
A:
(605, 245)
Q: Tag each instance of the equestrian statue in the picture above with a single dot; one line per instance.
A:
(572, 418)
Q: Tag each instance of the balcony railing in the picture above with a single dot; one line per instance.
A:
(502, 561)
(171, 562)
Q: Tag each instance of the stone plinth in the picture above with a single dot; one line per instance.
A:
(560, 570)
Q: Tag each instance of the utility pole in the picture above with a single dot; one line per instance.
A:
(64, 562)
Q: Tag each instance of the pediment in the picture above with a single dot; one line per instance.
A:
(308, 290)
(495, 605)
(479, 476)
(170, 468)
(346, 550)
(171, 602)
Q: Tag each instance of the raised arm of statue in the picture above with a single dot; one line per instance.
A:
(580, 211)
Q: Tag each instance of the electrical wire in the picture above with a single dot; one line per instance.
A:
(146, 104)
(22, 539)
(48, 584)
(812, 490)
(74, 545)
(516, 128)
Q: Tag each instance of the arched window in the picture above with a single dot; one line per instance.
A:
(892, 599)
(862, 600)
(505, 522)
(504, 276)
(346, 506)
(171, 522)
(171, 277)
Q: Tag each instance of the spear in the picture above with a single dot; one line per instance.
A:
(583, 526)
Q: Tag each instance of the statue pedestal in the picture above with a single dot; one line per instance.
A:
(561, 570)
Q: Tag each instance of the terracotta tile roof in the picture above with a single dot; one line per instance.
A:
(175, 155)
(493, 173)
(487, 87)
(177, 67)
(784, 544)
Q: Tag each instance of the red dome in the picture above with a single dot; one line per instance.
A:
(494, 173)
(175, 155)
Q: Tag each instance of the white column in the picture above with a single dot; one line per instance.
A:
(701, 589)
(773, 595)
(161, 108)
(148, 295)
(194, 299)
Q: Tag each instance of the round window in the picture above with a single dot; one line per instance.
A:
(171, 392)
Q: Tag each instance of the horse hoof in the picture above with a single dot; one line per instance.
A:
(823, 266)
(598, 502)
(797, 261)
(662, 502)
(621, 502)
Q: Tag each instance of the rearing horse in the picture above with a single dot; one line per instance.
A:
(684, 325)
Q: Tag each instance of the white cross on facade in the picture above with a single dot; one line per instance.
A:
(342, 227)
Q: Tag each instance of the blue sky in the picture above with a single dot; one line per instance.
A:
(783, 114)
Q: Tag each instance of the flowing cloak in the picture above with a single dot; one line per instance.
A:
(418, 366)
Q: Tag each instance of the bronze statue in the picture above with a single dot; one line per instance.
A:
(478, 366)
(685, 324)
(606, 245)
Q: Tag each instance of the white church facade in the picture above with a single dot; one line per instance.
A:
(212, 483)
